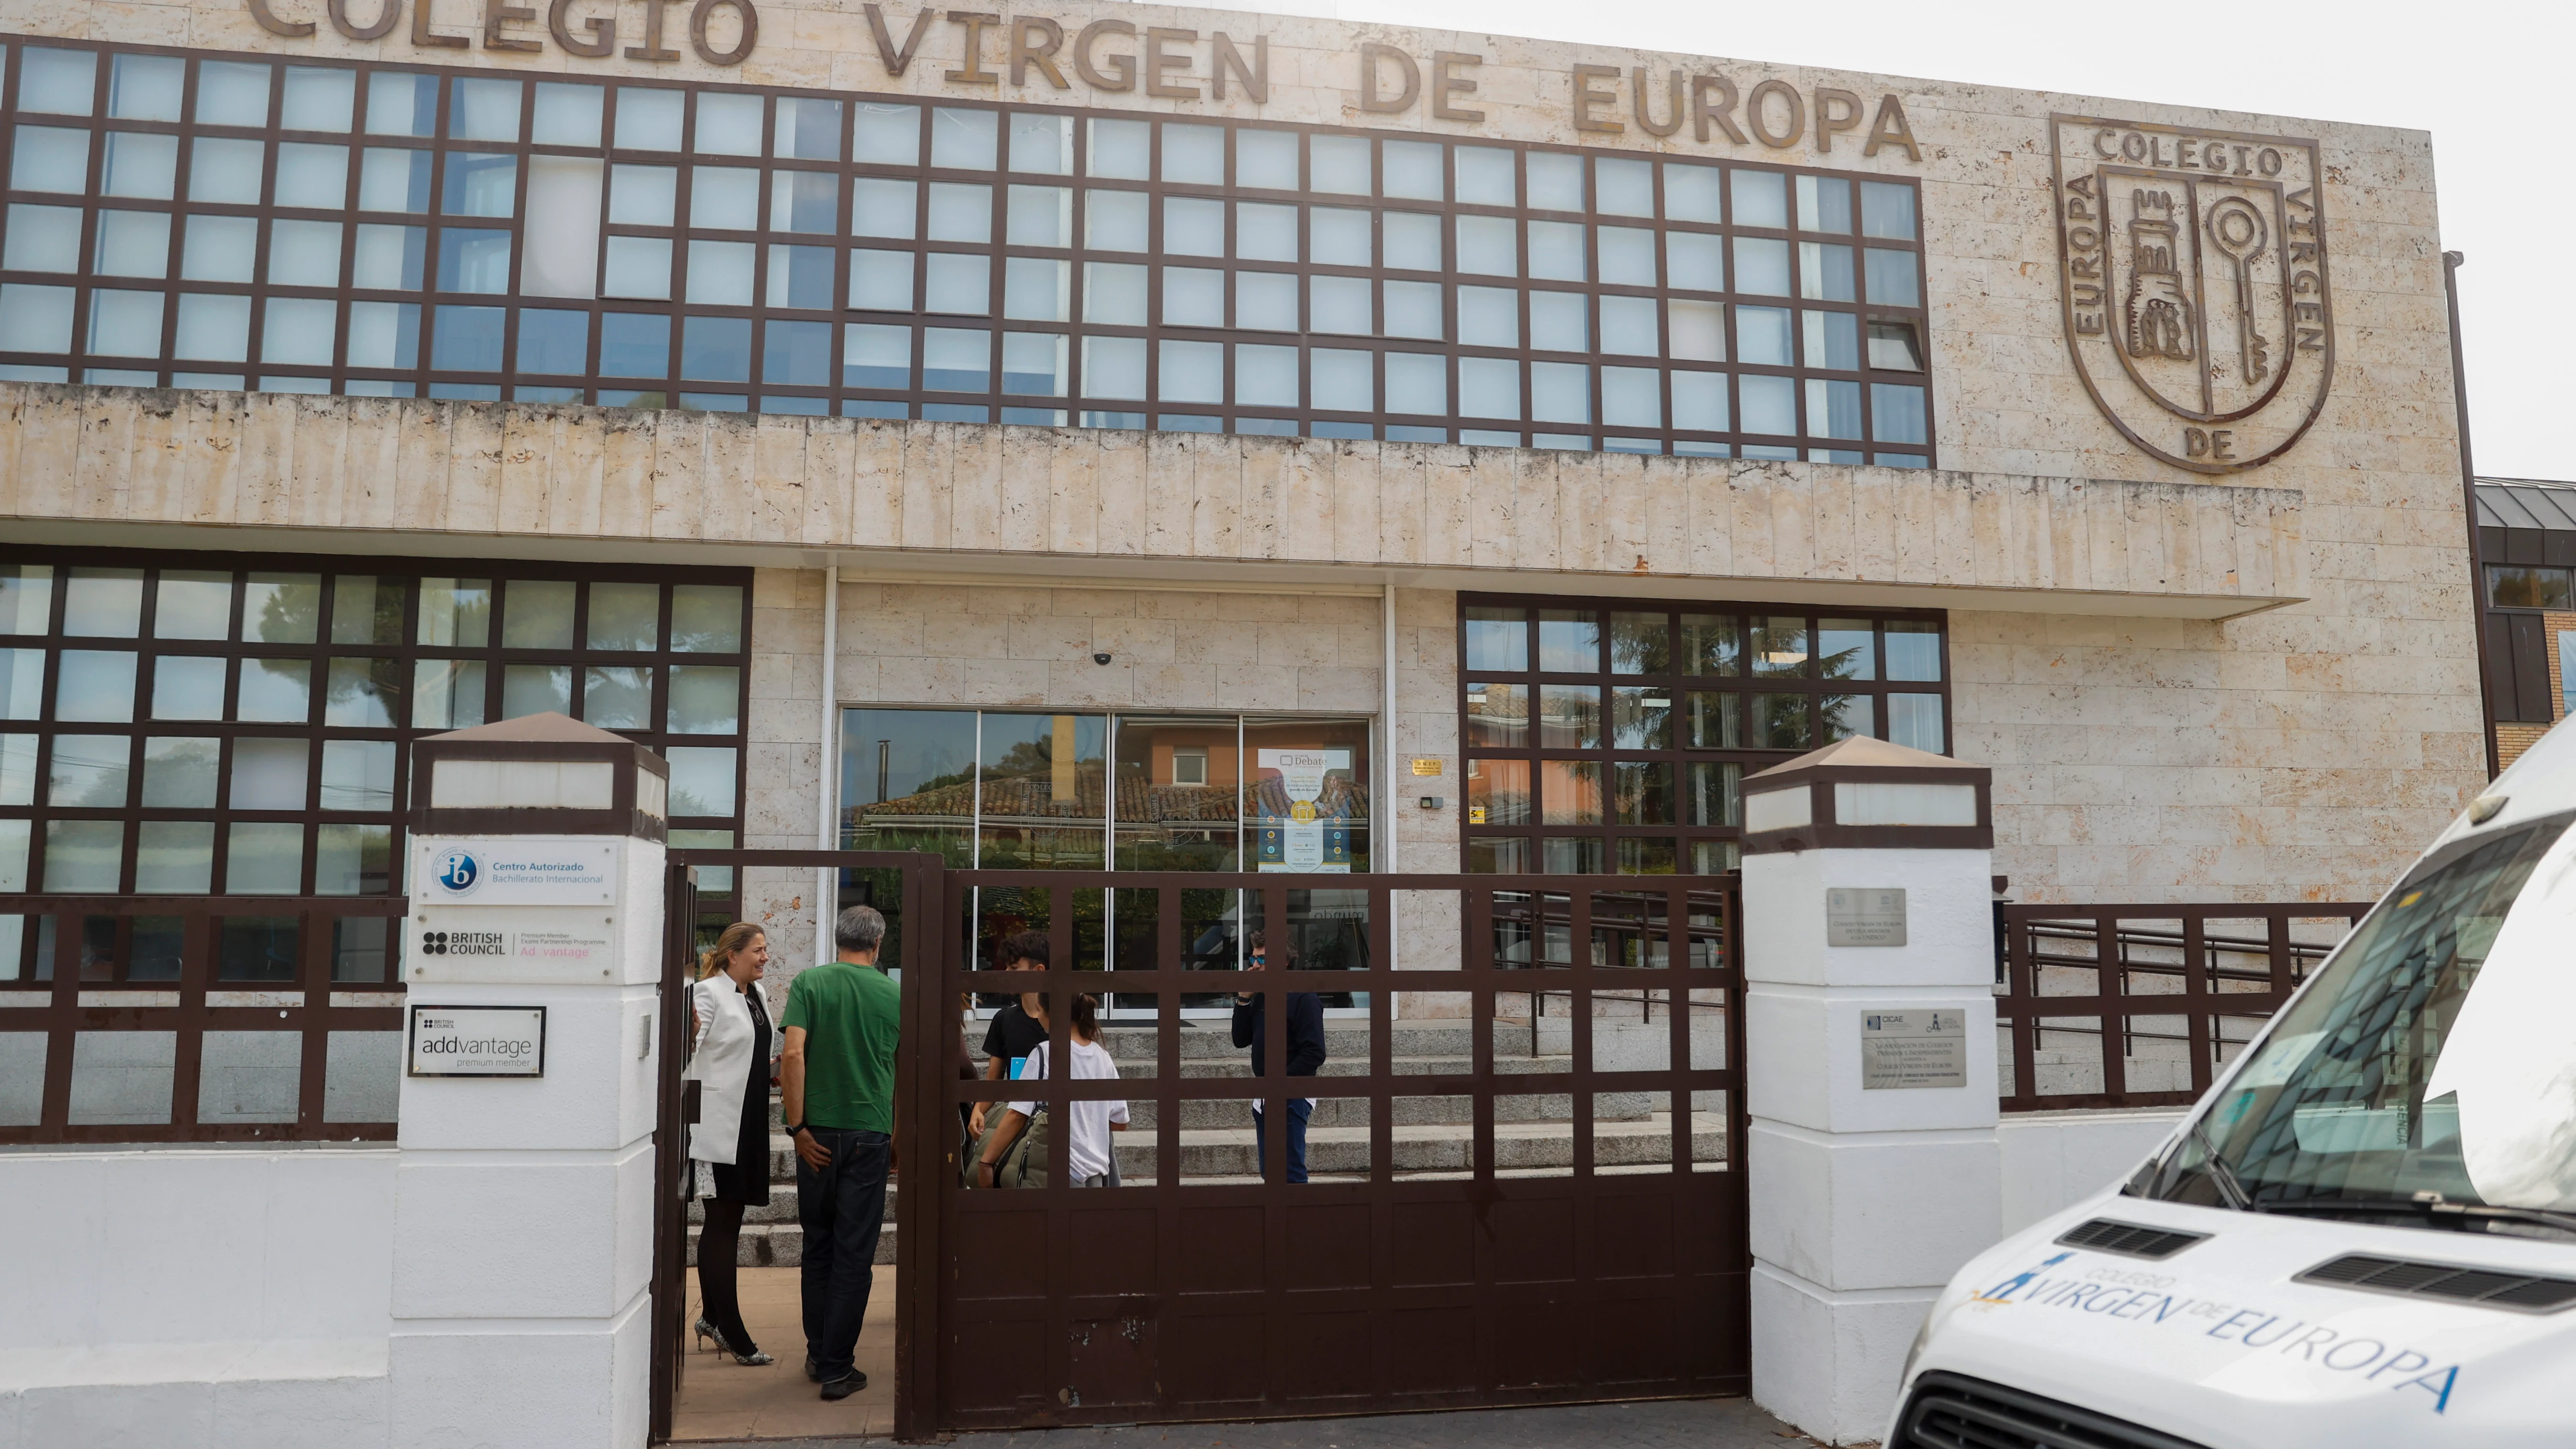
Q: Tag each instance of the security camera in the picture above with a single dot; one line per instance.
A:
(1101, 657)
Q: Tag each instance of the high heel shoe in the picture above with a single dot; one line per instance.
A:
(753, 1359)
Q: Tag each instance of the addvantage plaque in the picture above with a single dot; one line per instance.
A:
(1900, 1050)
(478, 1041)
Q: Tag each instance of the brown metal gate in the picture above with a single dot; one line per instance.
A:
(1462, 1245)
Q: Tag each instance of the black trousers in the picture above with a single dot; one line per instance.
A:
(842, 1209)
(719, 1241)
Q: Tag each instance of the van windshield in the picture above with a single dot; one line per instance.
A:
(2431, 1055)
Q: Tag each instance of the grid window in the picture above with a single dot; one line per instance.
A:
(1614, 735)
(1763, 312)
(177, 724)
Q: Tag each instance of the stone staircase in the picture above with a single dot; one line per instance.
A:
(1433, 1136)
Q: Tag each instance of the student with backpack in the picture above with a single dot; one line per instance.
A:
(1013, 1152)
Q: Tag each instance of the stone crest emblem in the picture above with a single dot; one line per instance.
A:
(2193, 270)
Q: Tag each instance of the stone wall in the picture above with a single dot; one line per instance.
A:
(2154, 731)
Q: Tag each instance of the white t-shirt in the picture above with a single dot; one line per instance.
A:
(1090, 1120)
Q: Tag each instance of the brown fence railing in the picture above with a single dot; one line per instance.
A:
(199, 1019)
(2177, 989)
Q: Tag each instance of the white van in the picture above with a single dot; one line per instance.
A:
(2365, 1234)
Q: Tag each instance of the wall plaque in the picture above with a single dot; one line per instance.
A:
(2194, 271)
(1900, 1050)
(478, 1041)
(1865, 916)
(532, 870)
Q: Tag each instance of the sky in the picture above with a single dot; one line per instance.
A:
(2486, 77)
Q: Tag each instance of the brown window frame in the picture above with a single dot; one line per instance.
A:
(992, 402)
(1717, 841)
(66, 993)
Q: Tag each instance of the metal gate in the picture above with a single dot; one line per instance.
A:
(1525, 1150)
(1500, 1211)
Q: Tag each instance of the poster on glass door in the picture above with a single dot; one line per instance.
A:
(1301, 811)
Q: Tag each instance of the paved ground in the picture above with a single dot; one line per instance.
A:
(1680, 1424)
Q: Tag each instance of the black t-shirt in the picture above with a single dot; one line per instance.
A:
(1014, 1034)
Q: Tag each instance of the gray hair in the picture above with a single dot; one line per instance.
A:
(860, 928)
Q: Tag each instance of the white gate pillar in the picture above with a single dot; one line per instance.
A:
(523, 1236)
(1870, 1066)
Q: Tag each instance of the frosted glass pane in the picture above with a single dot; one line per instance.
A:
(1488, 245)
(320, 98)
(303, 253)
(264, 859)
(958, 282)
(1114, 292)
(1417, 382)
(61, 82)
(724, 198)
(226, 170)
(639, 266)
(1560, 392)
(125, 324)
(123, 1077)
(47, 239)
(1034, 289)
(312, 175)
(1192, 372)
(362, 1076)
(175, 857)
(1264, 232)
(187, 687)
(1632, 397)
(1489, 387)
(1265, 376)
(1114, 367)
(384, 334)
(567, 115)
(1628, 325)
(1193, 227)
(1266, 301)
(48, 158)
(702, 780)
(1412, 240)
(276, 691)
(299, 330)
(1342, 381)
(94, 685)
(963, 140)
(879, 207)
(1193, 297)
(35, 319)
(1699, 401)
(960, 213)
(879, 281)
(1341, 304)
(392, 180)
(484, 109)
(249, 1076)
(563, 226)
(706, 699)
(1121, 148)
(720, 273)
(219, 249)
(1114, 221)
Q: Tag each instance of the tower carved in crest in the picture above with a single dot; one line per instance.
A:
(2159, 312)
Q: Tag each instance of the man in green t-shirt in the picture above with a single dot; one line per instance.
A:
(837, 1082)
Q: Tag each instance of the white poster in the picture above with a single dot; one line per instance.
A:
(1301, 813)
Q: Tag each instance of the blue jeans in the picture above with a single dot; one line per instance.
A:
(1298, 1112)
(842, 1209)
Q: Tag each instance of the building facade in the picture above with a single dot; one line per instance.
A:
(1155, 437)
(2527, 552)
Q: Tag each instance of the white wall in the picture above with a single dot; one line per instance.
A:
(2052, 1159)
(178, 1297)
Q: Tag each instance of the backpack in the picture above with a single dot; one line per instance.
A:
(1022, 1164)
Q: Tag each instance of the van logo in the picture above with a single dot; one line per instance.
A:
(2193, 267)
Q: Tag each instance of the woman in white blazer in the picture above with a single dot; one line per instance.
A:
(729, 1143)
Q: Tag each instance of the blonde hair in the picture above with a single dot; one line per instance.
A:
(733, 938)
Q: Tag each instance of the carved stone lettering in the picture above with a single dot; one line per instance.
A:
(2193, 269)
